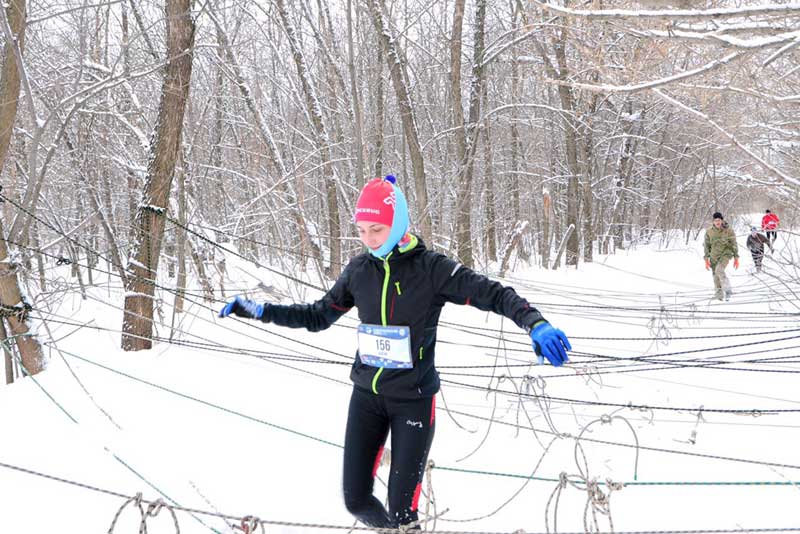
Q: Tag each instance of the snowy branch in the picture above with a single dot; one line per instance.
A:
(789, 99)
(709, 120)
(672, 14)
(606, 88)
(716, 38)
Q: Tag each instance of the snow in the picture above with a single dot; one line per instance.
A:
(236, 432)
(133, 262)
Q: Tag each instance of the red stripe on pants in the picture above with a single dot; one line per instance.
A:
(415, 502)
(377, 462)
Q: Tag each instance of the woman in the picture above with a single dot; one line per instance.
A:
(399, 288)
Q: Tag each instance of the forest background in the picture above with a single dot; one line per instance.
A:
(141, 135)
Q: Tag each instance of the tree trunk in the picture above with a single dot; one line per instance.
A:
(200, 271)
(562, 246)
(516, 142)
(588, 172)
(10, 294)
(180, 238)
(380, 116)
(8, 355)
(321, 138)
(624, 164)
(547, 216)
(137, 324)
(651, 179)
(571, 148)
(283, 183)
(10, 81)
(218, 173)
(357, 115)
(490, 222)
(397, 67)
(472, 129)
(513, 242)
(92, 192)
(455, 80)
(143, 30)
(16, 312)
(463, 250)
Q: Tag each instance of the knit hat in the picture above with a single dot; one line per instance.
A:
(753, 229)
(381, 201)
(717, 215)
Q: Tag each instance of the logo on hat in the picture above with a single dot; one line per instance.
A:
(390, 200)
(368, 210)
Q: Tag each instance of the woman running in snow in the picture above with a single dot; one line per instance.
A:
(399, 288)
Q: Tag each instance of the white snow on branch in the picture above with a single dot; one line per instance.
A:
(633, 88)
(153, 208)
(766, 9)
(791, 38)
(777, 172)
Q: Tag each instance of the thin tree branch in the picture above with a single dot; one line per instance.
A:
(605, 88)
(672, 14)
(777, 172)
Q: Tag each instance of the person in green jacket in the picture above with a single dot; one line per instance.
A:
(720, 246)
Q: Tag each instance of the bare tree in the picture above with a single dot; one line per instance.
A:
(265, 134)
(14, 309)
(360, 147)
(397, 68)
(137, 324)
(322, 140)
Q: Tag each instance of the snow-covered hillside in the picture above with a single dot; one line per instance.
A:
(240, 418)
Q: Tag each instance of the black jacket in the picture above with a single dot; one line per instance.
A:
(756, 243)
(409, 288)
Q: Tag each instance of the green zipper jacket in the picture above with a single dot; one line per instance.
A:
(409, 287)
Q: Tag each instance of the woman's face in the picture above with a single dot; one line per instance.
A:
(373, 235)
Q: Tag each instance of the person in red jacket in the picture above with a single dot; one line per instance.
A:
(399, 288)
(769, 223)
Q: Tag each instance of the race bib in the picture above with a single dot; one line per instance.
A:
(385, 346)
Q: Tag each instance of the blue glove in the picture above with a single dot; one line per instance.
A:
(243, 308)
(550, 343)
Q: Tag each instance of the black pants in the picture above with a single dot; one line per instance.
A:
(369, 420)
(772, 235)
(758, 256)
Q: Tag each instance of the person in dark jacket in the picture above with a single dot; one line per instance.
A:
(399, 288)
(756, 242)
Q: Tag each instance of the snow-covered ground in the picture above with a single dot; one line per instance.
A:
(236, 420)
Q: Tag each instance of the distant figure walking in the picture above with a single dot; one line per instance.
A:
(720, 246)
(769, 223)
(755, 242)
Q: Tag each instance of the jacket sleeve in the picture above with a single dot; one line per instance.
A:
(318, 315)
(461, 285)
(707, 246)
(734, 244)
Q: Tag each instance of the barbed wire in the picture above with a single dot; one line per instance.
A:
(138, 500)
(495, 421)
